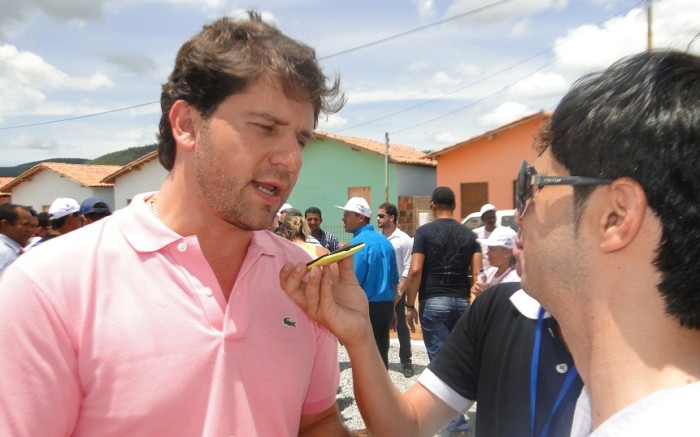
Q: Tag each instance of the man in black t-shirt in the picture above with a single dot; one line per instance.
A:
(489, 358)
(443, 253)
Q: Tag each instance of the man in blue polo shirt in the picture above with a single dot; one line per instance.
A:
(375, 268)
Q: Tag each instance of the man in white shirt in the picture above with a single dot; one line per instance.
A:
(488, 224)
(387, 217)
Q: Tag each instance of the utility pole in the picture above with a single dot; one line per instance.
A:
(649, 20)
(386, 167)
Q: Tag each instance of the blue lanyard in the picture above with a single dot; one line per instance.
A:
(570, 376)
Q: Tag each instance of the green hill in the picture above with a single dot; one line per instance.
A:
(121, 157)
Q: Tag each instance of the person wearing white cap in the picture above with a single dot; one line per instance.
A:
(65, 216)
(488, 224)
(279, 218)
(500, 243)
(375, 269)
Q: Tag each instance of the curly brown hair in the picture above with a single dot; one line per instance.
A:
(230, 55)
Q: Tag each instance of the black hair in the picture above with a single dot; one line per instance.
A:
(640, 118)
(8, 211)
(44, 221)
(313, 210)
(390, 209)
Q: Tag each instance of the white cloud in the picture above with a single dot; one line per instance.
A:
(242, 14)
(97, 80)
(505, 113)
(592, 48)
(540, 85)
(426, 8)
(445, 138)
(29, 70)
(441, 79)
(25, 80)
(136, 136)
(331, 123)
(520, 28)
(418, 66)
(467, 69)
(32, 142)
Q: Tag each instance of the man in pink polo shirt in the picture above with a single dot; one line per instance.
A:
(167, 318)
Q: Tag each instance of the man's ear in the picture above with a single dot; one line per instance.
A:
(184, 119)
(623, 215)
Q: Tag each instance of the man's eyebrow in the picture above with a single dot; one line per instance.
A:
(307, 134)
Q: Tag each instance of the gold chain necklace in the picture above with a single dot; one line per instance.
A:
(154, 210)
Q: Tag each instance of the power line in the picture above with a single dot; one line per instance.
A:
(416, 29)
(60, 120)
(353, 49)
(433, 99)
(476, 82)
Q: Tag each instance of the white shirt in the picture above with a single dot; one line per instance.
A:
(403, 246)
(482, 234)
(9, 251)
(669, 412)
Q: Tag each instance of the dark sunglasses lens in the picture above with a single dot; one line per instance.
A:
(521, 189)
(381, 215)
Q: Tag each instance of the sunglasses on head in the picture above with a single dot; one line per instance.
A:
(529, 183)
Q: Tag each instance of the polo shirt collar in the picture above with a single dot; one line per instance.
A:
(146, 233)
(526, 304)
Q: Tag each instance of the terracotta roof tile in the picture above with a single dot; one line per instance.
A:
(133, 165)
(540, 114)
(398, 154)
(86, 175)
(3, 182)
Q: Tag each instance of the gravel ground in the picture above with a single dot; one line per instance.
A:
(346, 398)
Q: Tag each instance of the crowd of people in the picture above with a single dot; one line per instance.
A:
(193, 312)
(22, 228)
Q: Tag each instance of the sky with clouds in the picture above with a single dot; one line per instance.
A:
(430, 73)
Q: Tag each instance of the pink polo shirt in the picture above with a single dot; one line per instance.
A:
(120, 328)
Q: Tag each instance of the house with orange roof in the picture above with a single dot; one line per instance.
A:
(139, 176)
(5, 197)
(483, 169)
(337, 167)
(44, 182)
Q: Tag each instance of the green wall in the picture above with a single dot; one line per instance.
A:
(331, 167)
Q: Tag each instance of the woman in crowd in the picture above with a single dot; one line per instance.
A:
(296, 230)
(500, 255)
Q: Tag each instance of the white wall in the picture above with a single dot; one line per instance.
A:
(46, 186)
(148, 178)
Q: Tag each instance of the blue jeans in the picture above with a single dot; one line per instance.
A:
(438, 316)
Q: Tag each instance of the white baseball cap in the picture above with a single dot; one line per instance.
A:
(502, 236)
(486, 208)
(283, 208)
(358, 205)
(62, 207)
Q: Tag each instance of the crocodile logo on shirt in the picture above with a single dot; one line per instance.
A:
(289, 322)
